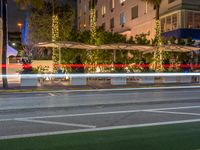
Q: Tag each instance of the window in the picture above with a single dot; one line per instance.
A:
(104, 25)
(146, 7)
(122, 19)
(134, 12)
(171, 1)
(197, 20)
(112, 5)
(122, 2)
(112, 23)
(80, 13)
(103, 10)
(97, 15)
(190, 20)
(162, 22)
(174, 21)
(168, 23)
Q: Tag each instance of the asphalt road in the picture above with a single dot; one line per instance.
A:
(61, 112)
(91, 98)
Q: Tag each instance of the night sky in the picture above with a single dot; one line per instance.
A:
(14, 16)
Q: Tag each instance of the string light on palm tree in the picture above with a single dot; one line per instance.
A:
(55, 33)
(93, 21)
(158, 58)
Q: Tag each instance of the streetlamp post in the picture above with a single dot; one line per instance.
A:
(19, 24)
(5, 40)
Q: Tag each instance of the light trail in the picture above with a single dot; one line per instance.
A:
(100, 75)
(102, 65)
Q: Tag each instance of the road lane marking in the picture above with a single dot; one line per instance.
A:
(51, 94)
(178, 113)
(104, 113)
(56, 123)
(100, 129)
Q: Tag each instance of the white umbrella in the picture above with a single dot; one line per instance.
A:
(11, 51)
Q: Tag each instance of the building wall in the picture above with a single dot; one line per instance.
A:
(175, 14)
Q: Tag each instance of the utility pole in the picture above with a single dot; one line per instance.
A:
(5, 40)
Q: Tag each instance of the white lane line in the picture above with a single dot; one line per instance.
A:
(104, 113)
(178, 113)
(177, 108)
(100, 129)
(56, 123)
(51, 94)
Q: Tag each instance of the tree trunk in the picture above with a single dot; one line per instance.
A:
(5, 39)
(158, 52)
(157, 12)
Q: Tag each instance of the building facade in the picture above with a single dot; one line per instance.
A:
(179, 18)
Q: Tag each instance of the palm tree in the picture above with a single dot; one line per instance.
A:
(55, 24)
(92, 4)
(27, 3)
(158, 60)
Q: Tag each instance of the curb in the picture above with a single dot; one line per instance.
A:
(106, 90)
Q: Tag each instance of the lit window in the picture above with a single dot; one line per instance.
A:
(122, 19)
(122, 2)
(174, 21)
(190, 20)
(112, 4)
(168, 23)
(103, 10)
(197, 20)
(162, 25)
(146, 7)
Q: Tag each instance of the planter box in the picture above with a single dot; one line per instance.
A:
(185, 79)
(146, 80)
(29, 82)
(172, 79)
(118, 81)
(78, 81)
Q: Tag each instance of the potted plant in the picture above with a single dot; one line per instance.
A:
(28, 78)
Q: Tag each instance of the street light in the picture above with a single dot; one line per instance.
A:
(13, 44)
(19, 24)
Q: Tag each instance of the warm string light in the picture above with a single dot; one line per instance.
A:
(158, 59)
(55, 28)
(93, 24)
(55, 36)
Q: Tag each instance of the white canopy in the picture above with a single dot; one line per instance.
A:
(117, 46)
(66, 44)
(11, 51)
